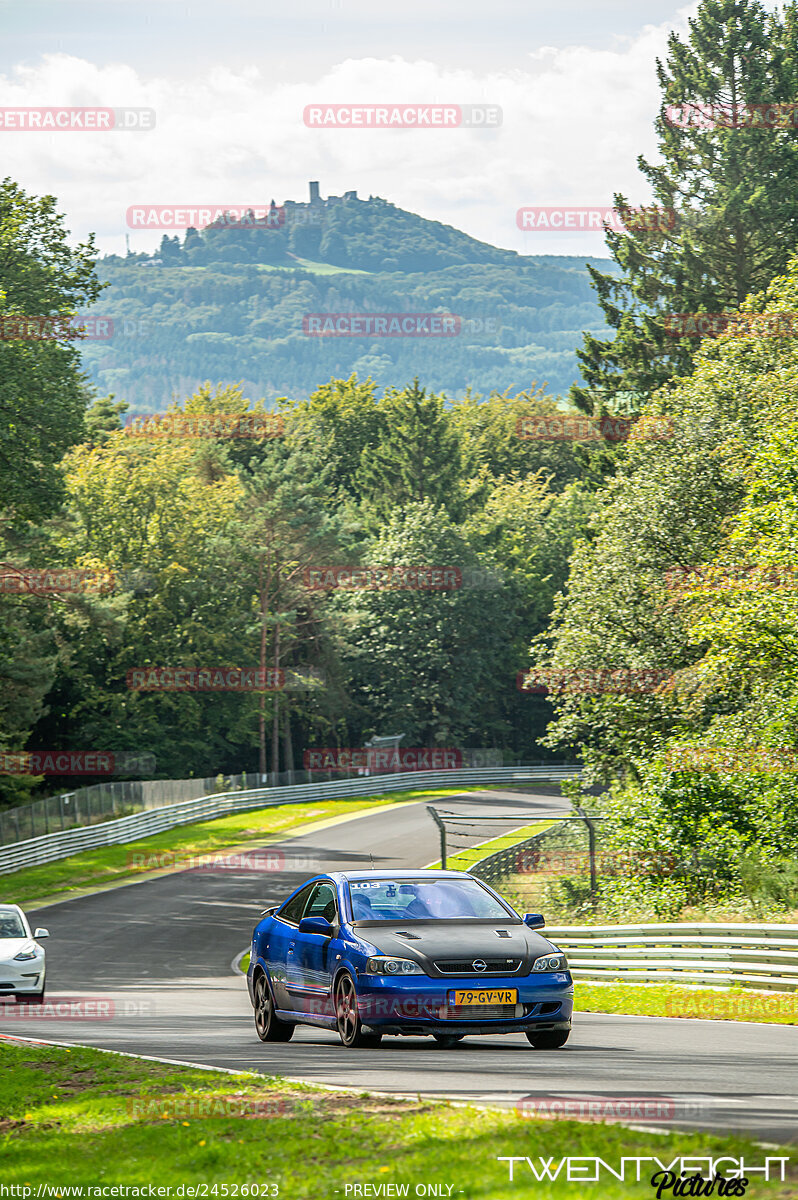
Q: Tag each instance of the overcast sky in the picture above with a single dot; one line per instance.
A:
(229, 82)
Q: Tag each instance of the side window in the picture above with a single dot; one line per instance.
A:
(293, 910)
(322, 903)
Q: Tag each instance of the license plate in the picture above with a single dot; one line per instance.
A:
(481, 996)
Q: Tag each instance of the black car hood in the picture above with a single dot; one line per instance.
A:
(448, 942)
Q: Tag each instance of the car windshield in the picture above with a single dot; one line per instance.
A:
(11, 926)
(422, 899)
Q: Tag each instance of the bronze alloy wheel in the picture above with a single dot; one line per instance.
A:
(350, 1028)
(267, 1025)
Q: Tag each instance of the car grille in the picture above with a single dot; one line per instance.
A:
(465, 966)
(478, 1012)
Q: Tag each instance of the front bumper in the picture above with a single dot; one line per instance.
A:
(22, 978)
(420, 1004)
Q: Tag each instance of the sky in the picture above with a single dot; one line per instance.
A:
(230, 81)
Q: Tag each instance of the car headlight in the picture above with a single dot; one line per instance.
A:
(25, 955)
(551, 962)
(382, 965)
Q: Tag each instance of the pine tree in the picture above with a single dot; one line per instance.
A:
(728, 185)
(417, 455)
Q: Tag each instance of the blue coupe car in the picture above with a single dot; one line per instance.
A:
(369, 953)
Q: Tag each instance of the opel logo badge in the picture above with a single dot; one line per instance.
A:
(479, 964)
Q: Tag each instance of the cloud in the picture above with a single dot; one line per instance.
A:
(574, 121)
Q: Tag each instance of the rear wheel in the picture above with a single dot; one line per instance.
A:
(447, 1040)
(548, 1039)
(350, 1028)
(267, 1025)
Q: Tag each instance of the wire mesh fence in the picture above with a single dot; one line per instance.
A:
(551, 862)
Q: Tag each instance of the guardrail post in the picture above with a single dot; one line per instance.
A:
(591, 841)
(433, 813)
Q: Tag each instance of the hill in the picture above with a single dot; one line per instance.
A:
(228, 303)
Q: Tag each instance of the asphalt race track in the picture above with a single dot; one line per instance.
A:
(157, 957)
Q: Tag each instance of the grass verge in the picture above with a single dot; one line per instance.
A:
(708, 1004)
(465, 859)
(114, 864)
(81, 1117)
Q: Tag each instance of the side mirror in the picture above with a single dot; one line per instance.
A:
(534, 920)
(38, 933)
(318, 925)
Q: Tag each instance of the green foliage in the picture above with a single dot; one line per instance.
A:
(733, 192)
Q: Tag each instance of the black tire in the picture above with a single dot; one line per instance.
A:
(267, 1025)
(447, 1040)
(31, 998)
(350, 1027)
(548, 1039)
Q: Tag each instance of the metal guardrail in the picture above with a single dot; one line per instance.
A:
(720, 955)
(705, 952)
(54, 846)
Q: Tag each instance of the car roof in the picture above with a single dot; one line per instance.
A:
(10, 908)
(376, 873)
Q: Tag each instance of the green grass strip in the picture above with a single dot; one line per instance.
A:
(706, 1004)
(81, 1117)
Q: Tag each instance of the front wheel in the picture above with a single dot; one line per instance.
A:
(549, 1039)
(267, 1026)
(447, 1040)
(350, 1027)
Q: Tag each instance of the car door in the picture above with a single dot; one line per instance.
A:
(312, 957)
(282, 941)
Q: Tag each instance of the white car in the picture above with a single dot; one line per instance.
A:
(21, 956)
